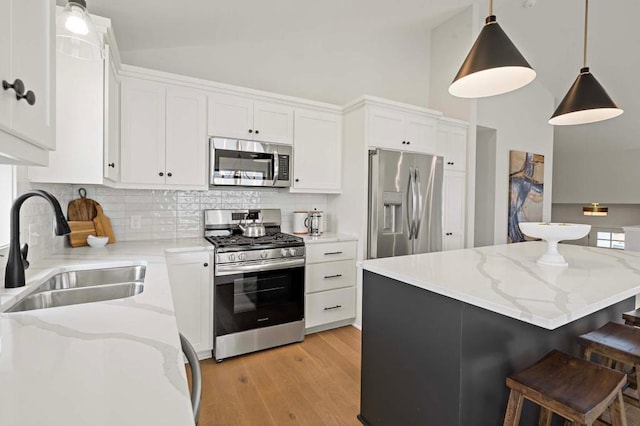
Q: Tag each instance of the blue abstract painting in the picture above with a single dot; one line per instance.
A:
(526, 192)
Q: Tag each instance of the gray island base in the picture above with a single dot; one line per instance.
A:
(428, 359)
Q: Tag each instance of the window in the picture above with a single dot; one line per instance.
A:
(614, 240)
(7, 193)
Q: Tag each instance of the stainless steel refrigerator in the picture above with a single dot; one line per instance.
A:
(405, 203)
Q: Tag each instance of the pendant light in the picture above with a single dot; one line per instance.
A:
(493, 66)
(586, 101)
(77, 36)
(595, 209)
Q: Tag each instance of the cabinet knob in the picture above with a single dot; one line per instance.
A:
(169, 174)
(206, 265)
(250, 131)
(257, 131)
(404, 142)
(160, 174)
(297, 180)
(18, 87)
(112, 165)
(408, 142)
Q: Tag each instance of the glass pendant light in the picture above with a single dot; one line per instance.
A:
(493, 66)
(77, 36)
(586, 101)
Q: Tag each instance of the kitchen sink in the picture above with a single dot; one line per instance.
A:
(77, 287)
(75, 296)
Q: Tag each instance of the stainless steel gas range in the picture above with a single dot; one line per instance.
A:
(259, 283)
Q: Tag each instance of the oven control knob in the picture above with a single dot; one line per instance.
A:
(292, 252)
(284, 252)
(263, 255)
(232, 257)
(242, 256)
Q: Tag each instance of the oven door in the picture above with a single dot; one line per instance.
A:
(256, 299)
(248, 163)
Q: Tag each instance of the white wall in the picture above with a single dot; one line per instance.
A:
(520, 119)
(337, 71)
(450, 43)
(485, 197)
(586, 176)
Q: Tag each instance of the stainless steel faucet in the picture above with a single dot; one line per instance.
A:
(17, 259)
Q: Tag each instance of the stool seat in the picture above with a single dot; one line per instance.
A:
(571, 387)
(632, 318)
(622, 339)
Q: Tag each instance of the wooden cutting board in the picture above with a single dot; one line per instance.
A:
(82, 209)
(103, 225)
(80, 230)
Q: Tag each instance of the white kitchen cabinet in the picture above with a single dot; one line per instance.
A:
(454, 208)
(452, 144)
(191, 279)
(330, 280)
(245, 118)
(164, 138)
(398, 130)
(317, 152)
(27, 49)
(111, 160)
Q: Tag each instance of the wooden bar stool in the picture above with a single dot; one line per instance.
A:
(619, 347)
(632, 318)
(574, 388)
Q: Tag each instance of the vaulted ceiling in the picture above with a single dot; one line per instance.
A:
(549, 33)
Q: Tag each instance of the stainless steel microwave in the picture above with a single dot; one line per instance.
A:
(237, 162)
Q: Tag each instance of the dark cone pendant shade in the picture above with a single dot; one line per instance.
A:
(585, 102)
(493, 66)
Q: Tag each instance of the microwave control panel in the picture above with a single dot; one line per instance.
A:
(283, 163)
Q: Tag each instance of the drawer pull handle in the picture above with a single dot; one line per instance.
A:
(332, 252)
(333, 307)
(263, 319)
(332, 276)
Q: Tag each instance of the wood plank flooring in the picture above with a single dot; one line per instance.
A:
(316, 382)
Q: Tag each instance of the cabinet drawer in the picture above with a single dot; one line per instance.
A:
(330, 275)
(330, 306)
(330, 252)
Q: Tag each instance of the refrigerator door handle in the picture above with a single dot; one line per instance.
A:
(410, 198)
(420, 205)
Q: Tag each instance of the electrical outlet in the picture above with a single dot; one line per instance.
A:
(136, 222)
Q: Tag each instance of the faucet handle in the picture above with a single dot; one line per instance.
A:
(24, 251)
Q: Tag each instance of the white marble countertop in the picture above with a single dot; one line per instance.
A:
(108, 363)
(328, 237)
(506, 279)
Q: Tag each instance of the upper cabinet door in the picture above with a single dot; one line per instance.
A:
(7, 98)
(33, 62)
(386, 129)
(230, 116)
(420, 133)
(111, 120)
(186, 161)
(452, 145)
(143, 132)
(272, 123)
(317, 159)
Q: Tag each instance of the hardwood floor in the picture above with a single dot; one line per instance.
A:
(316, 382)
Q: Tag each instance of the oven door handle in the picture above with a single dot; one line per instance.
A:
(276, 167)
(258, 267)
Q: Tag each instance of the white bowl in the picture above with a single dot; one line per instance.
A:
(552, 233)
(94, 241)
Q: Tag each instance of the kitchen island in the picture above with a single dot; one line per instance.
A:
(117, 362)
(441, 331)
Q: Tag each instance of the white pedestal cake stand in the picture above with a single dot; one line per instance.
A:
(552, 233)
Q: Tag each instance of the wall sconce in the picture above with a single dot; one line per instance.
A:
(595, 210)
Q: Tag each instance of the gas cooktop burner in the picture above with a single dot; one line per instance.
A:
(279, 239)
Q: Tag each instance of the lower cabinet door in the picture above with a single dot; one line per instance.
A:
(191, 278)
(330, 306)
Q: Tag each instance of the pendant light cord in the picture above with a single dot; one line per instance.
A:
(490, 7)
(586, 27)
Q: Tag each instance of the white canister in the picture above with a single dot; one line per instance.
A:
(298, 222)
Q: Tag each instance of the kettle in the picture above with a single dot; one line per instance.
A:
(313, 223)
(252, 230)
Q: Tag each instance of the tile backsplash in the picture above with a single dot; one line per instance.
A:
(151, 214)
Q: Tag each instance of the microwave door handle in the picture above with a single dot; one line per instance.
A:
(276, 167)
